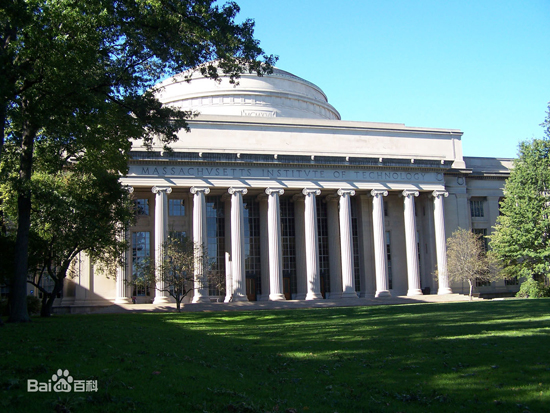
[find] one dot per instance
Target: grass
(462, 357)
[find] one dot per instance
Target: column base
(201, 299)
(314, 296)
(415, 291)
(277, 297)
(263, 297)
(161, 300)
(349, 294)
(335, 296)
(239, 297)
(382, 294)
(444, 291)
(123, 300)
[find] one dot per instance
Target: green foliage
(77, 87)
(4, 309)
(533, 289)
(522, 235)
(467, 259)
(78, 212)
(33, 304)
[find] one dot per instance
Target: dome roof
(280, 94)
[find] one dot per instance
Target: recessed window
(141, 207)
(482, 233)
(476, 208)
(176, 208)
(141, 247)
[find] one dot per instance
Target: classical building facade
(291, 202)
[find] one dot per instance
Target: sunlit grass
(481, 356)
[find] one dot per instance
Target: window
(482, 233)
(511, 281)
(482, 283)
(215, 244)
(476, 208)
(181, 236)
(176, 207)
(141, 207)
(141, 248)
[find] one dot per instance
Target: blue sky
(479, 66)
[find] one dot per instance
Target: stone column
(226, 198)
(264, 247)
(237, 243)
(312, 245)
(200, 238)
(440, 247)
(275, 247)
(346, 244)
(161, 233)
(381, 266)
(334, 259)
(300, 245)
(413, 270)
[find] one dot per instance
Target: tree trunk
(46, 310)
(471, 289)
(18, 291)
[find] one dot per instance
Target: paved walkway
(279, 305)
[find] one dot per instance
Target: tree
(77, 213)
(467, 259)
(174, 272)
(522, 234)
(77, 78)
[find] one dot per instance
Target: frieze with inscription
(201, 171)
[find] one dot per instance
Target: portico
(354, 257)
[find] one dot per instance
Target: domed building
(293, 203)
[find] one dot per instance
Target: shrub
(33, 304)
(533, 289)
(4, 311)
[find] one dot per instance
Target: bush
(33, 304)
(533, 289)
(4, 311)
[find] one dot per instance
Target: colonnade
(339, 232)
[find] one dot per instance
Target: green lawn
(463, 357)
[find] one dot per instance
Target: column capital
(232, 190)
(159, 189)
(307, 192)
(343, 192)
(437, 194)
(270, 191)
(407, 193)
(377, 192)
(196, 189)
(129, 188)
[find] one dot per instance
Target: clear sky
(481, 66)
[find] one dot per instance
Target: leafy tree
(77, 213)
(174, 272)
(77, 85)
(522, 234)
(467, 259)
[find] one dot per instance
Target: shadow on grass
(482, 356)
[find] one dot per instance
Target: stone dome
(280, 94)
